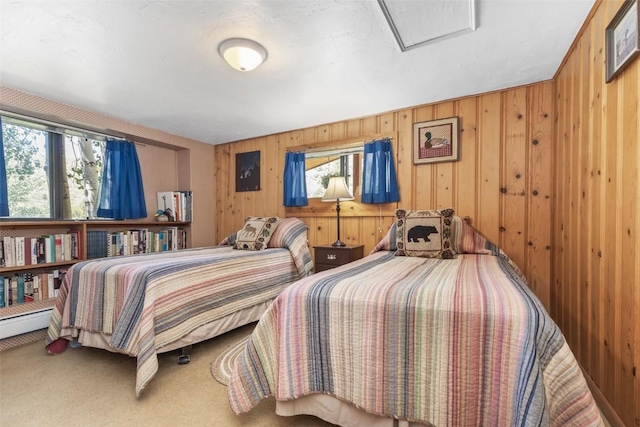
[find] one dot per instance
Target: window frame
(55, 138)
(318, 208)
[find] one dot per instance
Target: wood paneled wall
(502, 180)
(595, 295)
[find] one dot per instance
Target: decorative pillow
(230, 240)
(388, 242)
(287, 230)
(465, 239)
(425, 234)
(256, 233)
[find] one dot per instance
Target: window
(320, 167)
(51, 172)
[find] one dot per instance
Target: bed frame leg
(184, 357)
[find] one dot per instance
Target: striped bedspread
(144, 302)
(459, 342)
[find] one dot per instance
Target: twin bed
(146, 304)
(457, 340)
(440, 336)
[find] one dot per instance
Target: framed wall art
(622, 40)
(436, 141)
(248, 171)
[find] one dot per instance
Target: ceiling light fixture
(242, 54)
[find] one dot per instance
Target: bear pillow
(425, 234)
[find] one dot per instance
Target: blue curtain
(4, 193)
(121, 192)
(295, 182)
(379, 184)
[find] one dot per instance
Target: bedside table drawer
(332, 256)
(328, 257)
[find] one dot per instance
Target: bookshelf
(34, 315)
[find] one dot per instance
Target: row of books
(102, 243)
(178, 203)
(27, 287)
(19, 251)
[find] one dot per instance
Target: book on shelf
(7, 244)
(33, 250)
(13, 294)
(27, 251)
(41, 258)
(56, 282)
(7, 291)
(30, 287)
(20, 288)
(97, 244)
(19, 251)
(58, 247)
(67, 254)
(3, 301)
(43, 286)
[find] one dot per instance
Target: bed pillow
(425, 234)
(465, 239)
(256, 233)
(388, 242)
(286, 231)
(230, 240)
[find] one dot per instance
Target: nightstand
(334, 256)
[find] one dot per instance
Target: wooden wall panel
(595, 368)
(467, 184)
(513, 175)
(495, 154)
(538, 185)
(489, 143)
(596, 216)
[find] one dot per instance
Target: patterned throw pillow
(425, 234)
(256, 233)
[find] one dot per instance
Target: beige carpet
(91, 387)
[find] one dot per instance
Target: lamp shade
(242, 54)
(337, 189)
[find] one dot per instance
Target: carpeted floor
(91, 387)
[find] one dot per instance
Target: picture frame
(436, 141)
(622, 39)
(248, 171)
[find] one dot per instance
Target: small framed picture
(622, 39)
(248, 171)
(436, 141)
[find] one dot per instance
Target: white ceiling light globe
(242, 54)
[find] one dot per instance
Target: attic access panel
(418, 23)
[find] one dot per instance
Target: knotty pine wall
(502, 180)
(595, 296)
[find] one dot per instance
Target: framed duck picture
(436, 141)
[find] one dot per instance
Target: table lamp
(337, 190)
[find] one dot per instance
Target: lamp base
(338, 243)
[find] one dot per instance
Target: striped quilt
(147, 301)
(459, 342)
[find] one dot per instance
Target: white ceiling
(155, 63)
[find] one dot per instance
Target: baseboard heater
(28, 322)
